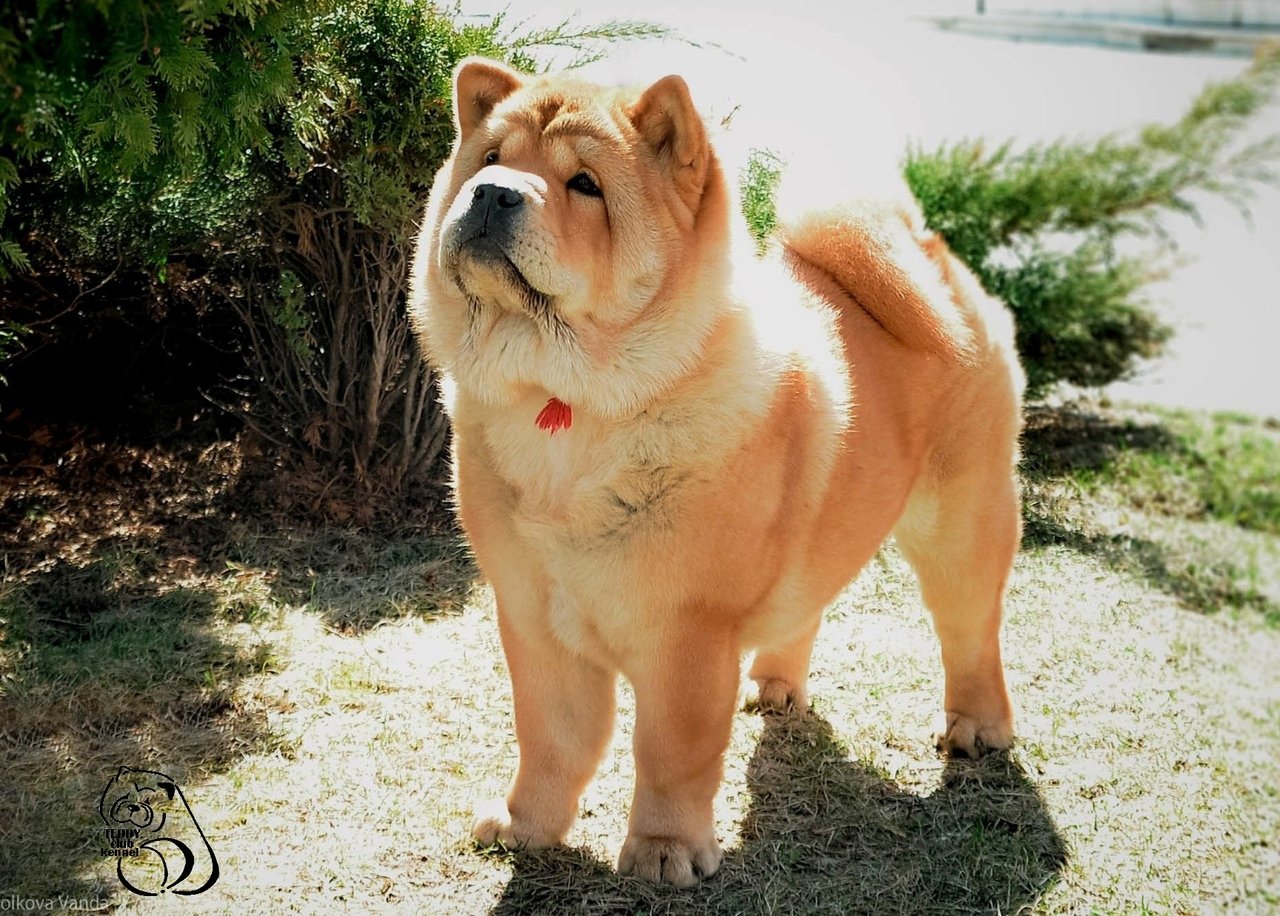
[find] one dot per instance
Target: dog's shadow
(826, 834)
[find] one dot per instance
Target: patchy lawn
(332, 699)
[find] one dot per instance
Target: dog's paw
(667, 860)
(774, 695)
(959, 735)
(493, 825)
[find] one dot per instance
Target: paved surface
(1133, 35)
(841, 89)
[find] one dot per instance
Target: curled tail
(880, 253)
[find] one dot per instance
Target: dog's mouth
(485, 253)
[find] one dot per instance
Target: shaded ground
(133, 622)
(332, 700)
(824, 833)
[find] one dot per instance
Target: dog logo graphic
(147, 815)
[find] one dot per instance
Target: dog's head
(564, 214)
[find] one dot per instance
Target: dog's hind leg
(960, 532)
(782, 675)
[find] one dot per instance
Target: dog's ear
(168, 788)
(672, 128)
(479, 85)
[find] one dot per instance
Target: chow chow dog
(669, 451)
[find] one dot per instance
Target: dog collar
(555, 416)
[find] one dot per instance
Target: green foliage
(757, 187)
(287, 310)
(372, 102)
(119, 103)
(160, 117)
(321, 289)
(263, 161)
(587, 44)
(1044, 228)
(11, 335)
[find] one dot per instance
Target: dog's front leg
(686, 690)
(564, 703)
(564, 709)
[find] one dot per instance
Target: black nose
(496, 195)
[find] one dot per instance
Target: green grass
(332, 700)
(1225, 467)
(1188, 502)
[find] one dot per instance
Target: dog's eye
(583, 184)
(491, 157)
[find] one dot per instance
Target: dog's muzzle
(488, 215)
(484, 227)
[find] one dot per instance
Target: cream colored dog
(668, 452)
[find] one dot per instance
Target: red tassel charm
(555, 416)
